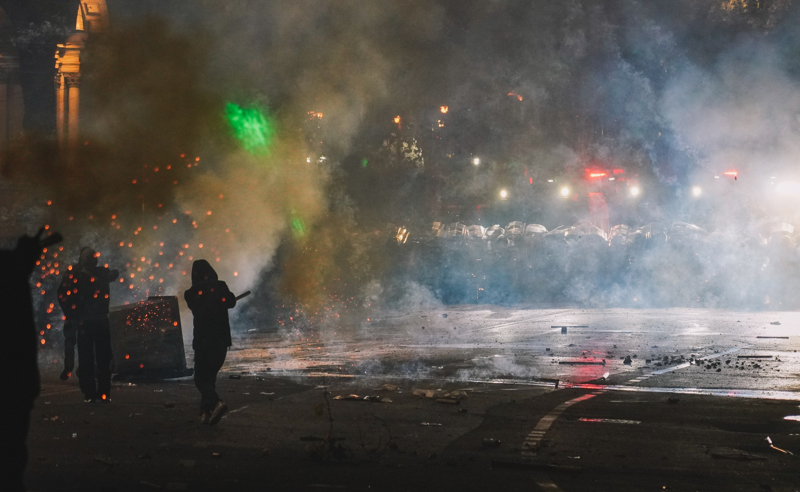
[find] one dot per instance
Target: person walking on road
(209, 300)
(94, 331)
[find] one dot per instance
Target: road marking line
(536, 435)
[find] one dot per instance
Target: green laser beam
(254, 129)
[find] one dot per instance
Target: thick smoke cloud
(674, 92)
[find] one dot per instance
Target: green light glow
(254, 129)
(364, 162)
(298, 228)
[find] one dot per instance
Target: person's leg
(86, 344)
(70, 340)
(218, 358)
(103, 353)
(17, 418)
(204, 377)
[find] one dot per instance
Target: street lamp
(476, 161)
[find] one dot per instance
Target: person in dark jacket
(67, 299)
(91, 286)
(20, 356)
(209, 299)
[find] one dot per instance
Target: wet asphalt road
(692, 411)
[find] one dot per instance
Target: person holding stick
(209, 299)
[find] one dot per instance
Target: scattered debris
(105, 461)
(444, 316)
(490, 442)
(388, 387)
(775, 322)
(216, 455)
(734, 454)
(780, 338)
(448, 401)
(627, 360)
(754, 357)
(268, 394)
(769, 441)
(372, 398)
(610, 421)
(436, 424)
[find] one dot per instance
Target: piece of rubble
(734, 454)
(490, 442)
(436, 424)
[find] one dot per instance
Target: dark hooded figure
(91, 288)
(67, 299)
(209, 299)
(20, 357)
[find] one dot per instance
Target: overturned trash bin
(147, 339)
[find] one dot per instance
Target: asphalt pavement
(483, 397)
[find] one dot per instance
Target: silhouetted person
(21, 386)
(68, 299)
(94, 332)
(209, 299)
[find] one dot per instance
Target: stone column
(5, 115)
(72, 81)
(60, 110)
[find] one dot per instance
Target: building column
(60, 108)
(72, 82)
(5, 115)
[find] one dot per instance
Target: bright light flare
(596, 175)
(697, 191)
(444, 109)
(565, 192)
(635, 191)
(503, 194)
(397, 119)
(476, 161)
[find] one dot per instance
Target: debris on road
(448, 401)
(627, 361)
(104, 461)
(754, 357)
(388, 387)
(434, 424)
(734, 454)
(779, 338)
(370, 398)
(775, 323)
(610, 421)
(769, 441)
(490, 442)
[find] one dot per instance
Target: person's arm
(226, 296)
